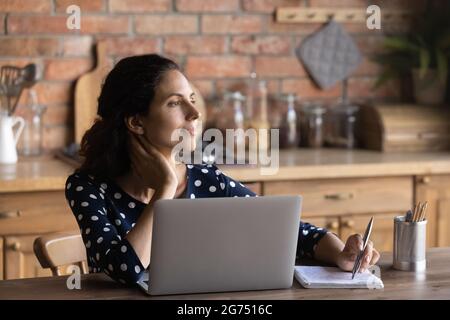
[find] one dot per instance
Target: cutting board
(87, 90)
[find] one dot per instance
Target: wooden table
(433, 284)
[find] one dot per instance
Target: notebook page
(332, 277)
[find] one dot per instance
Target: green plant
(426, 47)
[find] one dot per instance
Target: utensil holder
(409, 245)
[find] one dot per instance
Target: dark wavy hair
(128, 90)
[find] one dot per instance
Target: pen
(365, 241)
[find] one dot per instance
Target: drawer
(348, 196)
(254, 186)
(35, 212)
(20, 260)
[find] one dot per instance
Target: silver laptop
(223, 244)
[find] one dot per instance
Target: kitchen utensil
(29, 75)
(409, 245)
(10, 77)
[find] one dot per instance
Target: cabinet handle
(333, 225)
(10, 214)
(340, 196)
(348, 223)
(16, 246)
(425, 180)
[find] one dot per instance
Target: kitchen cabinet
(331, 223)
(20, 261)
(341, 190)
(382, 233)
(344, 206)
(25, 216)
(436, 190)
(346, 225)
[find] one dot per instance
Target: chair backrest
(60, 249)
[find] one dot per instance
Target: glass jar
(341, 123)
(289, 128)
(312, 123)
(30, 143)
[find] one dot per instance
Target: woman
(128, 166)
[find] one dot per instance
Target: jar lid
(348, 109)
(314, 109)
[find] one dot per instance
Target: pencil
(416, 210)
(424, 211)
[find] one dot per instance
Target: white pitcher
(9, 137)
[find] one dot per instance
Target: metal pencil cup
(409, 244)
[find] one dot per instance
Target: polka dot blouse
(105, 214)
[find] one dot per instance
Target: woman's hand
(347, 257)
(151, 166)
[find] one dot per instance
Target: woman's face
(173, 108)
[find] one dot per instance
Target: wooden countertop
(339, 163)
(432, 284)
(49, 173)
(34, 174)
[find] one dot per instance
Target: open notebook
(332, 277)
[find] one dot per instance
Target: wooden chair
(60, 249)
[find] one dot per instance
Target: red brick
(194, 44)
(369, 44)
(207, 5)
(57, 24)
(77, 46)
(218, 67)
(105, 24)
(32, 6)
(66, 69)
(58, 115)
(85, 5)
(267, 6)
(56, 137)
(20, 62)
(278, 67)
(125, 46)
(367, 68)
(364, 88)
(229, 85)
(339, 4)
(168, 24)
(261, 45)
(306, 89)
(2, 21)
(139, 6)
(206, 87)
(233, 24)
(38, 24)
(361, 28)
(29, 46)
(416, 5)
(50, 93)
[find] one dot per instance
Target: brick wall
(218, 43)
